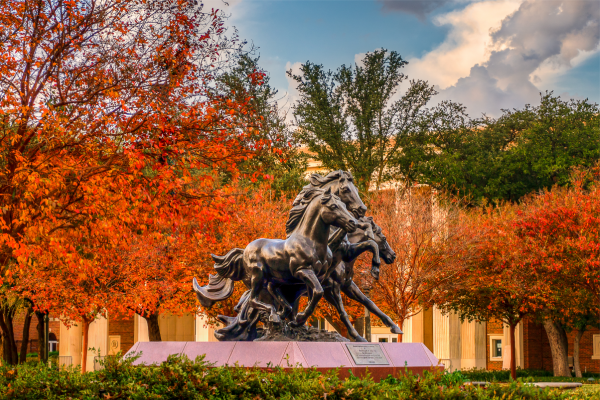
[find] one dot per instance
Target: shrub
(180, 378)
(501, 375)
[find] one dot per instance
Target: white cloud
(502, 53)
(468, 43)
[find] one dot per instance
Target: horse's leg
(315, 294)
(353, 292)
(296, 305)
(356, 249)
(256, 283)
(333, 297)
(278, 296)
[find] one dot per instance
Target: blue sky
(486, 54)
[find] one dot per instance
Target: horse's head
(367, 229)
(385, 250)
(341, 184)
(334, 212)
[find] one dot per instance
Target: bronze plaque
(367, 354)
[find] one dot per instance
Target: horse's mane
(319, 181)
(300, 205)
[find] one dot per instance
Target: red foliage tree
(537, 258)
(559, 233)
(106, 134)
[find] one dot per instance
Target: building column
(407, 329)
(421, 328)
(473, 345)
(441, 337)
(97, 340)
(441, 343)
(140, 329)
(455, 341)
(70, 342)
(519, 354)
(202, 329)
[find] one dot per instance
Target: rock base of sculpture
(377, 359)
(285, 333)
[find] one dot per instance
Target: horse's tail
(229, 268)
(231, 265)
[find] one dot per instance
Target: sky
(486, 54)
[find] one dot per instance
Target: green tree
(279, 160)
(352, 118)
(521, 152)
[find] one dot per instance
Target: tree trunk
(153, 327)
(41, 334)
(84, 347)
(576, 342)
(513, 360)
(25, 341)
(559, 347)
(400, 335)
(9, 346)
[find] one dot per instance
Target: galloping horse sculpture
(309, 262)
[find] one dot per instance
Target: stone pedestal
(380, 359)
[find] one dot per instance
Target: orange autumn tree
(497, 283)
(102, 113)
(538, 258)
(559, 231)
(423, 229)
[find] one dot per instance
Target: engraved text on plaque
(367, 354)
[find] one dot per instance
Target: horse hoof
(396, 329)
(296, 323)
(360, 339)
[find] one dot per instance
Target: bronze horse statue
(333, 278)
(298, 260)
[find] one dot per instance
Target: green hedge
(179, 378)
(534, 375)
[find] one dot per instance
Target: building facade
(458, 344)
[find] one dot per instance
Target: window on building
(394, 340)
(496, 348)
(384, 340)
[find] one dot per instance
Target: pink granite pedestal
(379, 359)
